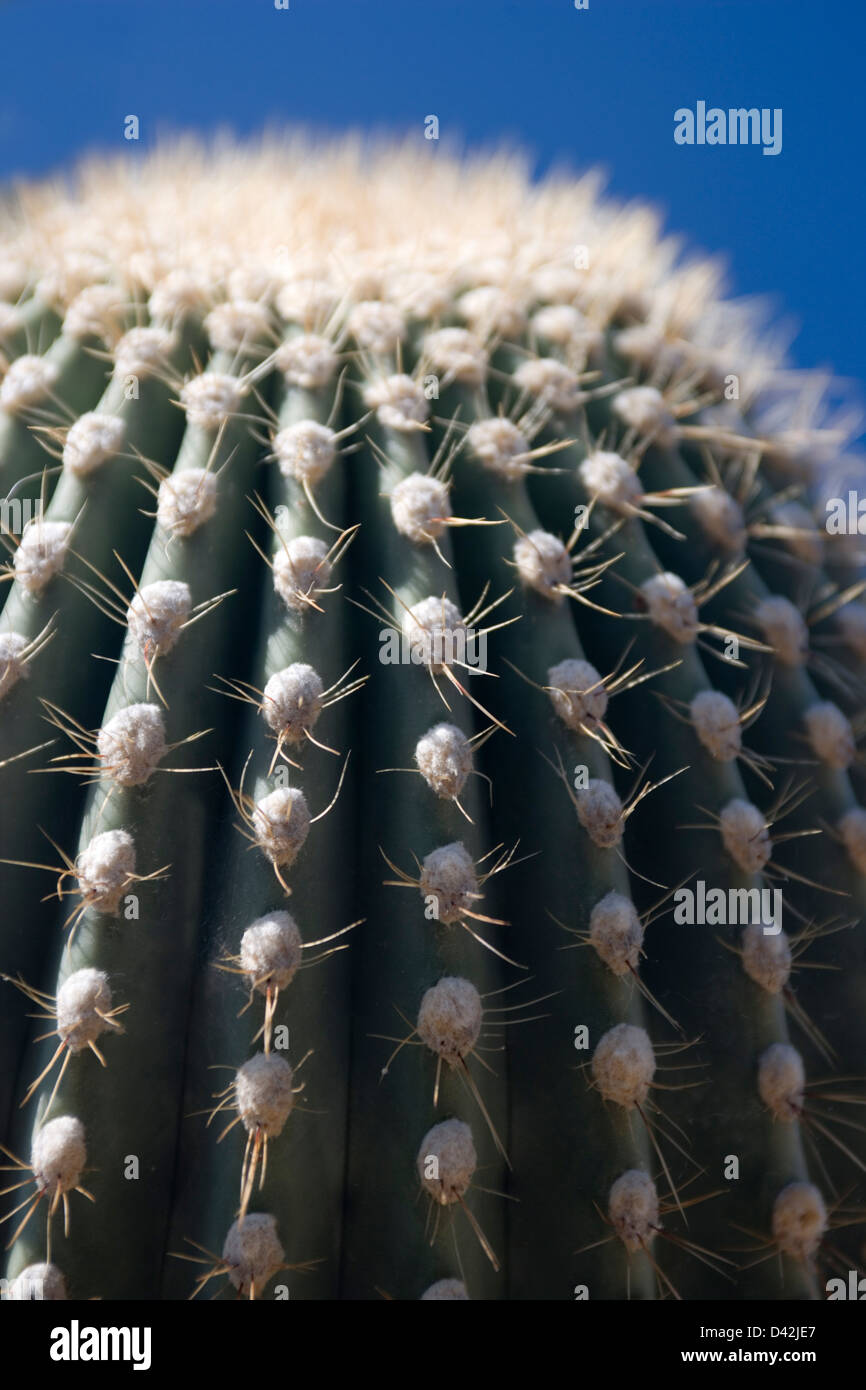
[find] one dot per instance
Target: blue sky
(597, 86)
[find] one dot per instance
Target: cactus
(457, 884)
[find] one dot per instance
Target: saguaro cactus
(429, 789)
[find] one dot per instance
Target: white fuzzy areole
(143, 352)
(577, 692)
(633, 1209)
(177, 294)
(251, 282)
(300, 567)
(783, 629)
(435, 631)
(671, 606)
(97, 311)
(146, 265)
(567, 327)
(643, 408)
(830, 735)
(457, 355)
(28, 382)
(157, 614)
(782, 1081)
(132, 744)
(450, 1144)
(211, 398)
(558, 284)
(799, 1221)
(444, 759)
(852, 828)
(13, 663)
(558, 323)
(399, 402)
(445, 1289)
(716, 721)
(292, 701)
(239, 323)
(483, 267)
(599, 811)
(449, 1018)
(378, 327)
(720, 517)
(253, 1252)
(623, 1065)
(305, 451)
(745, 835)
(420, 508)
(420, 295)
(306, 299)
(489, 310)
(551, 382)
(448, 875)
(41, 553)
(58, 1154)
(307, 360)
(263, 1093)
(612, 480)
(500, 446)
(104, 869)
(366, 281)
(645, 344)
(281, 824)
(185, 501)
(616, 932)
(71, 271)
(543, 564)
(40, 1282)
(83, 1001)
(766, 959)
(271, 951)
(91, 441)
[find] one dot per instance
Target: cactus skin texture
(424, 624)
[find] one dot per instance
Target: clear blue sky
(598, 86)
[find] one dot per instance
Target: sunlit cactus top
(351, 237)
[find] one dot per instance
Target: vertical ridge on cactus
(403, 628)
